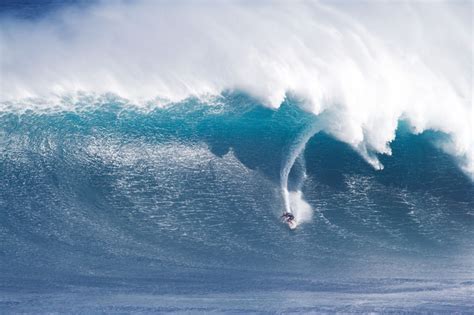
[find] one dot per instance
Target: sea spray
(294, 202)
(363, 69)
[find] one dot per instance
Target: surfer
(288, 217)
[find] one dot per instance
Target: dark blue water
(37, 9)
(111, 208)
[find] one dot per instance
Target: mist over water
(149, 148)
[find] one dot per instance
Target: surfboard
(292, 224)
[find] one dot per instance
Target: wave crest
(361, 71)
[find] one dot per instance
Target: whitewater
(364, 69)
(149, 148)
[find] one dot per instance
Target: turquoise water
(112, 208)
(167, 198)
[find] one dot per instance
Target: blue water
(112, 208)
(36, 9)
(108, 207)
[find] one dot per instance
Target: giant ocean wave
(147, 150)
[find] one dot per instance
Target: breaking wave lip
(361, 71)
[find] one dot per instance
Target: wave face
(185, 200)
(148, 149)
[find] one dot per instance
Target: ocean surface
(111, 205)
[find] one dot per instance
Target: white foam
(294, 202)
(363, 66)
(302, 211)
